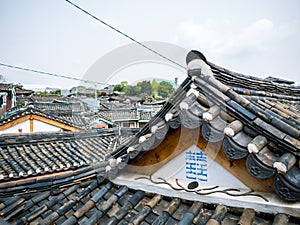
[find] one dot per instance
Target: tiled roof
(145, 115)
(81, 119)
(113, 105)
(123, 99)
(119, 114)
(102, 202)
(6, 87)
(22, 100)
(30, 155)
(48, 101)
(18, 113)
(74, 112)
(60, 108)
(255, 119)
(125, 114)
(50, 98)
(21, 91)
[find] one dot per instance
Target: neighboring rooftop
(19, 115)
(6, 87)
(30, 155)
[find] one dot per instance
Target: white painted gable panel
(194, 165)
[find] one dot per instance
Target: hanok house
(126, 117)
(20, 91)
(31, 119)
(7, 97)
(73, 111)
(222, 150)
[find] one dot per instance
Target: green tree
(42, 92)
(120, 86)
(165, 89)
(154, 85)
(145, 87)
(56, 92)
(131, 90)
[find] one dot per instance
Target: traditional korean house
(68, 109)
(73, 111)
(20, 91)
(51, 98)
(31, 119)
(126, 117)
(101, 121)
(224, 149)
(41, 100)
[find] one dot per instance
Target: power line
(90, 81)
(127, 36)
(51, 74)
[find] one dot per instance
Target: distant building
(82, 91)
(7, 97)
(65, 92)
(20, 91)
(126, 117)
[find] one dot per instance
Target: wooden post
(31, 124)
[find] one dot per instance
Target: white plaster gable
(208, 172)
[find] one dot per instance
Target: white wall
(25, 126)
(204, 169)
(38, 126)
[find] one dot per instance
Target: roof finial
(194, 54)
(197, 64)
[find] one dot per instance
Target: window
(128, 124)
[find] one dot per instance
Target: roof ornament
(119, 160)
(169, 116)
(285, 163)
(197, 64)
(233, 128)
(212, 113)
(112, 162)
(107, 168)
(130, 149)
(144, 138)
(192, 96)
(257, 144)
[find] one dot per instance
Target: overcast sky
(259, 38)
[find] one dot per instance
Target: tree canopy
(144, 88)
(120, 86)
(131, 90)
(165, 89)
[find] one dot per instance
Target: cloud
(225, 38)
